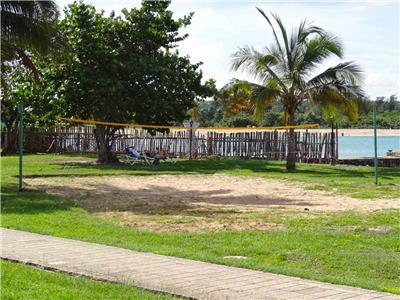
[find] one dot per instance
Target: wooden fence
(272, 145)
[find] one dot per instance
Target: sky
(369, 31)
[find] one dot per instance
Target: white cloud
(369, 32)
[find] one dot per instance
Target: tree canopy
(124, 68)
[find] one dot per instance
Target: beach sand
(183, 203)
(361, 132)
(111, 193)
(342, 131)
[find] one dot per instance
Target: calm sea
(363, 146)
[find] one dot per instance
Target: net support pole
(333, 157)
(21, 143)
(190, 139)
(337, 143)
(375, 145)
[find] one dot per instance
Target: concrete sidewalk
(168, 274)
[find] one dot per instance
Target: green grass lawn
(341, 248)
(26, 282)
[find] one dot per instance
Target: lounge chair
(134, 157)
(162, 156)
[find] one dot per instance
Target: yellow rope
(92, 122)
(118, 124)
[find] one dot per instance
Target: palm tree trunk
(291, 157)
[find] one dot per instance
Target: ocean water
(363, 146)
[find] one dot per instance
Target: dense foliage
(124, 69)
(114, 68)
(213, 113)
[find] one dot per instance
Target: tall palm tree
(286, 72)
(26, 26)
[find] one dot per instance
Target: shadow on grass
(233, 166)
(100, 197)
(31, 201)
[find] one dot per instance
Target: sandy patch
(380, 229)
(190, 221)
(172, 192)
(199, 202)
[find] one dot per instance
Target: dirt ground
(197, 202)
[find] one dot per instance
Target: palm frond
(27, 62)
(280, 67)
(255, 63)
(346, 73)
(28, 24)
(318, 49)
(305, 31)
(285, 40)
(347, 106)
(278, 44)
(344, 98)
(263, 95)
(246, 58)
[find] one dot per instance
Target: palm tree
(26, 26)
(286, 72)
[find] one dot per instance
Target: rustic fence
(272, 145)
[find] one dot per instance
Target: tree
(124, 69)
(26, 30)
(26, 26)
(38, 105)
(286, 73)
(392, 103)
(17, 83)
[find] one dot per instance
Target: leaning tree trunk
(9, 139)
(291, 156)
(105, 140)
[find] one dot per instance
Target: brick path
(168, 274)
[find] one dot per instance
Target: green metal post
(21, 141)
(190, 139)
(375, 146)
(333, 160)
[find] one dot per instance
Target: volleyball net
(142, 126)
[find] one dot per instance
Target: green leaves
(27, 26)
(344, 73)
(317, 50)
(244, 95)
(121, 68)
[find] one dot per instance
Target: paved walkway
(168, 274)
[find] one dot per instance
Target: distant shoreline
(342, 131)
(360, 132)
